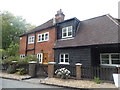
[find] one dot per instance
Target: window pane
(62, 56)
(69, 33)
(66, 55)
(64, 34)
(105, 61)
(42, 37)
(105, 56)
(39, 38)
(46, 36)
(115, 61)
(116, 56)
(62, 60)
(66, 60)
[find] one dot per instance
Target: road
(7, 83)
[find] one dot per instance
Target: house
(92, 42)
(40, 41)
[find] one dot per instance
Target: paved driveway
(6, 83)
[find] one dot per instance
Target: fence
(71, 68)
(104, 73)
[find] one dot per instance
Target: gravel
(77, 83)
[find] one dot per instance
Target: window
(67, 32)
(40, 57)
(110, 58)
(64, 58)
(30, 39)
(43, 37)
(22, 55)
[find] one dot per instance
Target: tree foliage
(12, 28)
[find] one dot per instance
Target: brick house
(92, 42)
(40, 41)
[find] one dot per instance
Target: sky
(37, 12)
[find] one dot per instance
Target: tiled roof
(99, 30)
(45, 25)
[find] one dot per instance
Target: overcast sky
(39, 11)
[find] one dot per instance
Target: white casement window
(43, 37)
(22, 55)
(110, 58)
(67, 32)
(31, 39)
(40, 57)
(64, 58)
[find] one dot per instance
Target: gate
(42, 70)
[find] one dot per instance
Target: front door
(45, 58)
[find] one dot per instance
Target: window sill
(114, 65)
(30, 43)
(42, 41)
(64, 63)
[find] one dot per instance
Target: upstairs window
(67, 32)
(31, 39)
(64, 58)
(43, 37)
(110, 58)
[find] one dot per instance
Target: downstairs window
(110, 58)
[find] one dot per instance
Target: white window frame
(40, 59)
(44, 38)
(67, 29)
(63, 58)
(31, 39)
(22, 55)
(110, 59)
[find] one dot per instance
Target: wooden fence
(104, 73)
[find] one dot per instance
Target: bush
(21, 71)
(11, 69)
(97, 80)
(62, 73)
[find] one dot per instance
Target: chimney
(59, 17)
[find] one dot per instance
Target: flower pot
(116, 78)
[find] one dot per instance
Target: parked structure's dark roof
(45, 25)
(99, 30)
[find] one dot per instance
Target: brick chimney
(59, 17)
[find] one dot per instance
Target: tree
(12, 28)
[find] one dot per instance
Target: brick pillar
(32, 68)
(14, 64)
(78, 70)
(51, 69)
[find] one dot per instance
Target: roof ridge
(112, 19)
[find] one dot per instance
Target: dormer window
(67, 32)
(31, 39)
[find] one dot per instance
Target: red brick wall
(30, 52)
(22, 48)
(47, 46)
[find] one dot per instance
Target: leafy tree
(12, 28)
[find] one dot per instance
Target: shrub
(21, 71)
(11, 69)
(63, 73)
(97, 80)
